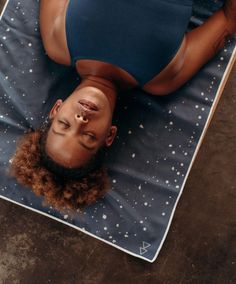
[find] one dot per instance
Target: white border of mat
(210, 115)
(217, 97)
(4, 8)
(213, 107)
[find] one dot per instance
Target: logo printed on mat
(143, 249)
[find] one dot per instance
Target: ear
(111, 135)
(55, 109)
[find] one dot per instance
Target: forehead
(66, 150)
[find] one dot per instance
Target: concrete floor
(200, 247)
(1, 4)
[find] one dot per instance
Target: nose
(81, 118)
(82, 115)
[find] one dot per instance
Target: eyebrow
(81, 143)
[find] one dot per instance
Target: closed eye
(91, 136)
(65, 124)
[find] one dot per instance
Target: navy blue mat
(157, 141)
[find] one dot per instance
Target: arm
(52, 28)
(201, 44)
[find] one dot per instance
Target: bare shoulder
(52, 28)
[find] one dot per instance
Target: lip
(88, 105)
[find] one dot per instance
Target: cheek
(102, 124)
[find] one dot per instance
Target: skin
(101, 81)
(76, 133)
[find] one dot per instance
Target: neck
(109, 89)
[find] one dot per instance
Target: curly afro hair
(72, 188)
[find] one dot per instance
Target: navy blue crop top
(138, 36)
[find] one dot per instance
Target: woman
(114, 46)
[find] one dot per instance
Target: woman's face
(80, 126)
